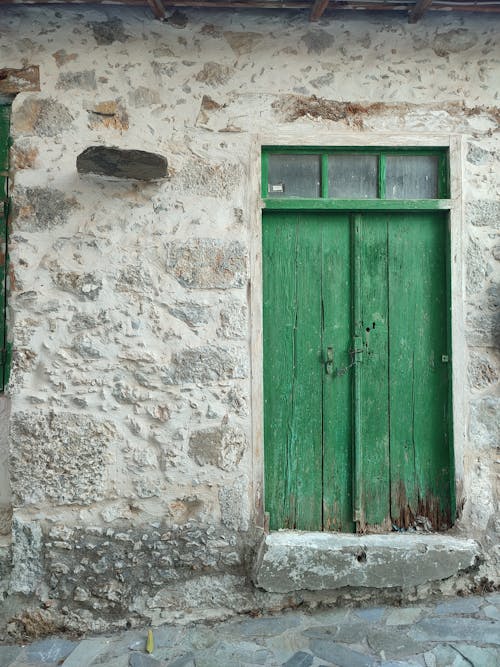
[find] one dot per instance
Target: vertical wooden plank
(308, 410)
(278, 309)
(419, 369)
(337, 386)
(292, 370)
(356, 359)
(371, 326)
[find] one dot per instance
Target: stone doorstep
(291, 561)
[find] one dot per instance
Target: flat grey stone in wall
(27, 560)
(483, 328)
(122, 163)
(290, 561)
(454, 41)
(107, 32)
(484, 427)
(207, 263)
(80, 80)
(191, 313)
(206, 364)
(477, 155)
(59, 457)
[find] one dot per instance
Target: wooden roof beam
(317, 9)
(421, 6)
(158, 9)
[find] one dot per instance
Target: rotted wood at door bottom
(356, 371)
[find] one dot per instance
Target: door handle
(329, 361)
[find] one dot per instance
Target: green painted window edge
(442, 153)
(5, 344)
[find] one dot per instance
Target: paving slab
(374, 615)
(404, 616)
(341, 655)
(478, 655)
(457, 629)
(8, 654)
(299, 659)
(49, 651)
(85, 653)
(392, 643)
(459, 606)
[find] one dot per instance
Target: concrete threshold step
(292, 561)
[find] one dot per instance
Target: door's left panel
(306, 420)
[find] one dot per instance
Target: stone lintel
(291, 561)
(25, 80)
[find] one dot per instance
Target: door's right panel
(419, 369)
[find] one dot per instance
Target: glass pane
(294, 176)
(353, 176)
(412, 176)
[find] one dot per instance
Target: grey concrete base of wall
(292, 561)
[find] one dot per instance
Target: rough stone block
(214, 74)
(290, 561)
(483, 213)
(222, 446)
(86, 286)
(122, 164)
(482, 370)
(208, 263)
(42, 117)
(477, 268)
(59, 457)
(209, 180)
(40, 208)
(233, 321)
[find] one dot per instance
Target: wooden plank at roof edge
(24, 80)
(158, 9)
(421, 6)
(317, 9)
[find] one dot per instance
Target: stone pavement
(454, 632)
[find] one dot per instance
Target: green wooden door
(356, 370)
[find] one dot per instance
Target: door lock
(329, 360)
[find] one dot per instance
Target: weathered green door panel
(371, 330)
(366, 441)
(419, 369)
(292, 371)
(337, 384)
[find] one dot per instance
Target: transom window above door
(355, 173)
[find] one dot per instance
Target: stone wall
(131, 428)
